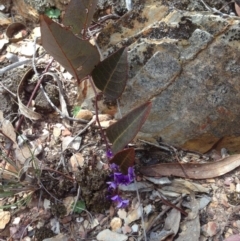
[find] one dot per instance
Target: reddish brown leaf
(78, 56)
(79, 14)
(110, 76)
(123, 131)
(124, 159)
(193, 171)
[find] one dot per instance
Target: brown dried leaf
(193, 171)
(7, 128)
(4, 218)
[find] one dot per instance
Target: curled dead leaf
(193, 171)
(27, 112)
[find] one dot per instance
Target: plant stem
(96, 110)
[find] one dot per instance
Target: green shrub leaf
(123, 131)
(52, 13)
(80, 206)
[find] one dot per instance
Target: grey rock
(41, 5)
(119, 6)
(187, 64)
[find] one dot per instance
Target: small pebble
(135, 228)
(84, 114)
(148, 209)
(116, 224)
(16, 220)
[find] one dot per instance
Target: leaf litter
(171, 208)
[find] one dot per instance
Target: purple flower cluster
(119, 178)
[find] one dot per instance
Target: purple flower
(131, 174)
(109, 154)
(120, 178)
(121, 202)
(114, 167)
(112, 185)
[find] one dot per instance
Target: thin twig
(9, 91)
(166, 202)
(14, 65)
(52, 170)
(34, 55)
(97, 118)
(63, 103)
(162, 147)
(42, 186)
(179, 162)
(119, 110)
(214, 10)
(99, 51)
(102, 20)
(159, 216)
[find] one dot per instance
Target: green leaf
(110, 75)
(79, 15)
(80, 206)
(123, 131)
(124, 159)
(76, 55)
(76, 109)
(52, 13)
(5, 194)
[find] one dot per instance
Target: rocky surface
(185, 62)
(118, 6)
